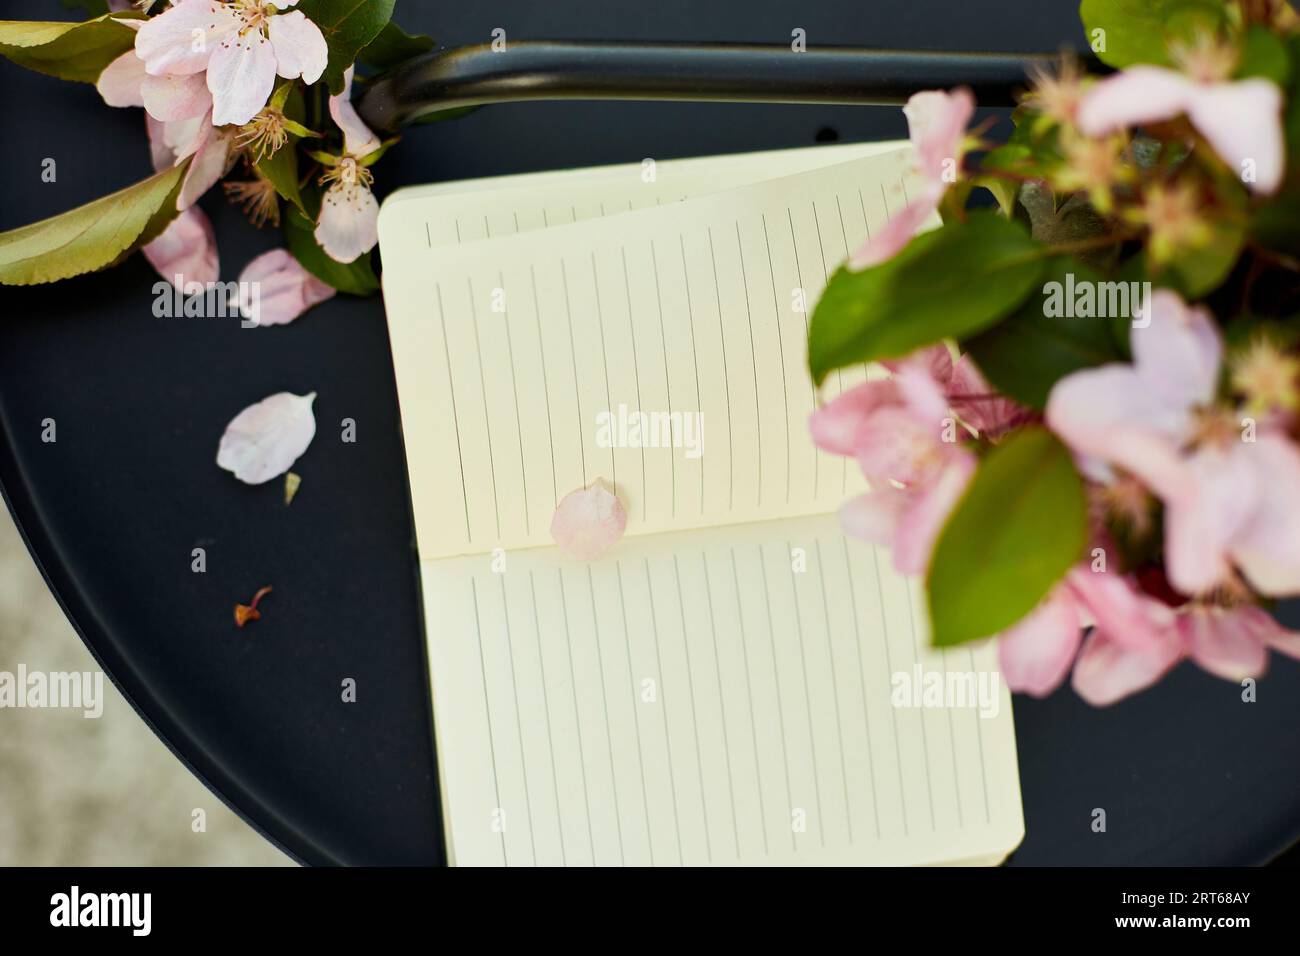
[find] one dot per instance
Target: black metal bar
(548, 70)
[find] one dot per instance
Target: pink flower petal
(896, 445)
(936, 124)
(898, 232)
(1035, 654)
(1138, 95)
(119, 82)
(172, 98)
(1106, 671)
(1179, 352)
(186, 251)
(1128, 617)
(589, 521)
(211, 160)
(358, 140)
(160, 153)
(1224, 644)
(300, 48)
(874, 515)
(921, 521)
(284, 289)
(1267, 549)
(934, 359)
(348, 225)
(241, 75)
(1243, 122)
(835, 426)
(977, 403)
(265, 439)
(183, 38)
(1260, 623)
(1201, 523)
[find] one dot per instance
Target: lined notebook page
(695, 699)
(508, 350)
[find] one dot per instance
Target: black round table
(1188, 773)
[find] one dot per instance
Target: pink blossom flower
(906, 440)
(1036, 653)
(285, 288)
(589, 521)
(241, 45)
(1232, 497)
(186, 251)
(348, 224)
(1242, 120)
(175, 130)
(936, 124)
(1232, 643)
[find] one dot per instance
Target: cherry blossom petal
(898, 232)
(1243, 122)
(1179, 351)
(978, 404)
(265, 439)
(349, 221)
(921, 521)
(186, 251)
(172, 98)
(284, 289)
(211, 161)
(873, 516)
(1106, 671)
(183, 38)
(1138, 95)
(934, 359)
(119, 82)
(160, 153)
(358, 140)
(1115, 605)
(589, 521)
(936, 125)
(835, 426)
(1272, 634)
(1201, 523)
(300, 48)
(1223, 643)
(1035, 654)
(896, 445)
(1268, 548)
(241, 75)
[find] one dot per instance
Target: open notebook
(735, 682)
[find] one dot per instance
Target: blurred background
(94, 792)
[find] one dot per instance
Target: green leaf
(1044, 340)
(349, 27)
(1015, 532)
(357, 277)
(951, 282)
(281, 168)
(1139, 31)
(92, 236)
(393, 46)
(70, 51)
(1199, 270)
(1264, 54)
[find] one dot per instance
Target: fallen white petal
(589, 521)
(265, 439)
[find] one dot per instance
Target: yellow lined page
(508, 350)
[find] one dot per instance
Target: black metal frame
(720, 72)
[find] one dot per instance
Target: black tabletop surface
(1187, 772)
